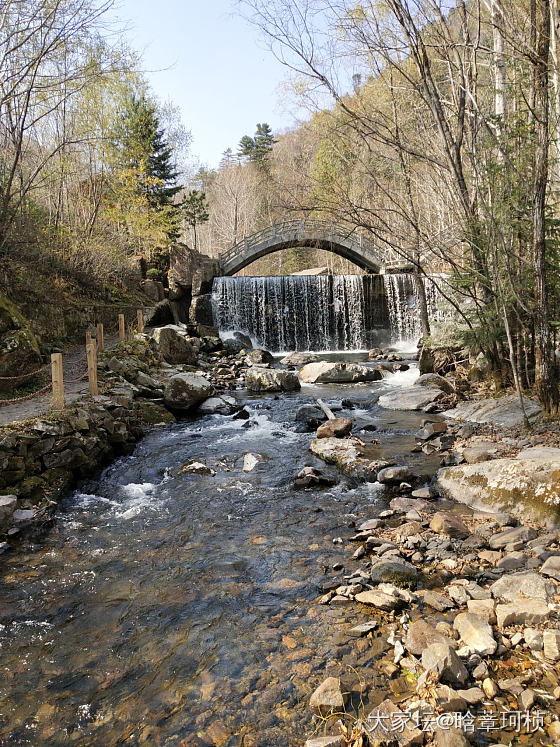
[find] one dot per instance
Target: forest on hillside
(437, 134)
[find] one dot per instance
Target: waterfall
(310, 312)
(321, 312)
(404, 308)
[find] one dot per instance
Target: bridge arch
(315, 234)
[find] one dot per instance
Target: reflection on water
(165, 605)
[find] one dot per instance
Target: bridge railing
(297, 230)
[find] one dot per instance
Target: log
(326, 409)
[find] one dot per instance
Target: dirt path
(75, 367)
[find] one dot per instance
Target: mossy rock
(19, 350)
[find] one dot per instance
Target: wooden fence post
(57, 381)
(122, 330)
(91, 351)
(100, 338)
(140, 317)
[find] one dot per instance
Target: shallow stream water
(165, 605)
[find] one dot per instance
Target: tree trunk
(545, 368)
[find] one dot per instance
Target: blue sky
(212, 64)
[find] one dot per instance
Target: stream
(165, 605)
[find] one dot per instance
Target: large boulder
(346, 454)
(269, 380)
(257, 355)
(328, 698)
(337, 372)
(185, 390)
(335, 428)
(433, 380)
(173, 345)
(527, 487)
(19, 350)
(505, 411)
(414, 398)
(298, 359)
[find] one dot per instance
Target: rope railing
(23, 377)
(58, 379)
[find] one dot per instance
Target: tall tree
(195, 208)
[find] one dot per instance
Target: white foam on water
(402, 378)
(138, 497)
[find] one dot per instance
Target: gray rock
(8, 504)
(475, 633)
(218, 406)
(185, 390)
(551, 644)
(510, 536)
(328, 698)
(311, 415)
(533, 638)
(437, 601)
(504, 411)
(334, 372)
(444, 522)
(270, 380)
(24, 514)
(395, 570)
(414, 398)
(551, 567)
(298, 359)
(379, 599)
(528, 612)
(334, 741)
(394, 474)
(420, 635)
(335, 428)
(173, 345)
(258, 356)
(523, 584)
(434, 381)
(378, 720)
(442, 659)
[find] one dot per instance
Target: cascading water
(311, 312)
(321, 312)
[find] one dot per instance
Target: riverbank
(222, 542)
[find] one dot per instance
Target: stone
(393, 474)
(510, 536)
(335, 428)
(490, 688)
(346, 454)
(250, 461)
(475, 633)
(504, 411)
(324, 372)
(551, 567)
(8, 504)
(512, 561)
(437, 601)
(485, 608)
(448, 700)
(395, 570)
(258, 356)
(420, 635)
(334, 741)
(551, 644)
(310, 415)
(269, 380)
(528, 584)
(378, 727)
(444, 522)
(413, 398)
(434, 381)
(479, 452)
(473, 695)
(328, 698)
(363, 629)
(298, 359)
(527, 699)
(379, 599)
(185, 390)
(450, 738)
(25, 514)
(533, 638)
(217, 406)
(529, 612)
(442, 659)
(527, 488)
(173, 345)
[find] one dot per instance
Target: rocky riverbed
(256, 574)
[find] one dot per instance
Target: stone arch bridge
(315, 234)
